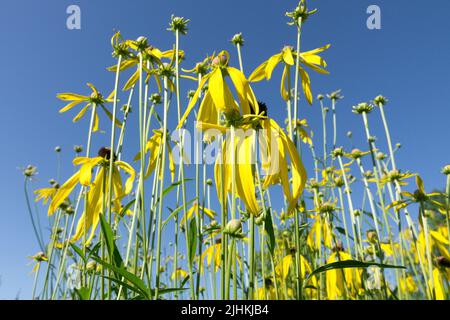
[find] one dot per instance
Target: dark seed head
(443, 262)
(105, 152)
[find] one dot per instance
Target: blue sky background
(407, 61)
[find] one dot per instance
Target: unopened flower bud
(238, 39)
(380, 100)
(233, 227)
(91, 266)
(78, 149)
(372, 236)
(381, 156)
(155, 98)
(57, 149)
(337, 152)
(446, 170)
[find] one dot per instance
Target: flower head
(238, 39)
(310, 59)
(95, 98)
(97, 188)
(363, 107)
(178, 24)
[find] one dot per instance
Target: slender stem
(297, 66)
(161, 200)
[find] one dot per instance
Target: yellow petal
(259, 73)
(287, 56)
(70, 106)
(63, 192)
(132, 174)
(271, 64)
(306, 85)
(81, 113)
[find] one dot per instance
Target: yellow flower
(95, 98)
(408, 284)
(218, 97)
(320, 229)
(439, 281)
(275, 147)
(45, 194)
(419, 196)
(151, 58)
(342, 281)
(38, 257)
(310, 59)
(196, 208)
(213, 253)
(97, 190)
(154, 146)
(179, 274)
(285, 148)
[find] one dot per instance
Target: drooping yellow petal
(63, 193)
(244, 91)
(70, 106)
(86, 170)
(271, 64)
(96, 122)
(131, 81)
(193, 101)
(245, 186)
(259, 73)
(220, 93)
(71, 97)
(306, 85)
(284, 85)
(130, 171)
(90, 218)
(287, 56)
(81, 113)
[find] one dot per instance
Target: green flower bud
(78, 149)
(372, 236)
(57, 149)
(178, 24)
(30, 171)
(362, 108)
(446, 170)
(233, 227)
(380, 100)
(155, 98)
(238, 39)
(337, 152)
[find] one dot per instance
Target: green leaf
(170, 188)
(78, 251)
(174, 212)
(350, 264)
(137, 282)
(268, 225)
(83, 293)
(110, 242)
(192, 237)
(127, 206)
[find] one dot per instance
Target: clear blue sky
(407, 61)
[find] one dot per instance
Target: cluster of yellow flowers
(249, 244)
